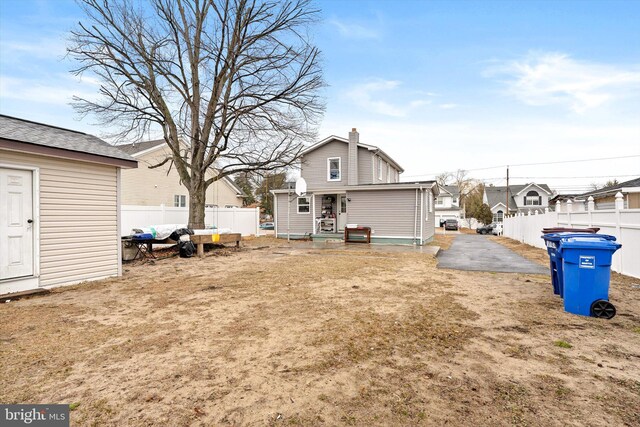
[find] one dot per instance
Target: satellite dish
(301, 186)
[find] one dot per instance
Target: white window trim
(298, 205)
(379, 168)
(339, 168)
(388, 173)
(180, 197)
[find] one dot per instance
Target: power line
(531, 164)
(561, 177)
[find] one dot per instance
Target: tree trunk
(197, 198)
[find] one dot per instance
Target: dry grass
(279, 334)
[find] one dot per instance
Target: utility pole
(507, 191)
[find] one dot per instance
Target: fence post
(257, 221)
(590, 208)
(619, 201)
(619, 207)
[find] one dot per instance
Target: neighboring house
(526, 198)
(448, 204)
(161, 185)
(357, 184)
(605, 198)
(59, 206)
(579, 203)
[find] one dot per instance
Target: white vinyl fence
(619, 222)
(245, 221)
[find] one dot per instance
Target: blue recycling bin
(552, 241)
(586, 265)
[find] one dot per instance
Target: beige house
(161, 186)
(59, 206)
(605, 198)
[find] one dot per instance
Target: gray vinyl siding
(387, 212)
(365, 166)
(429, 228)
(314, 165)
(383, 168)
(298, 223)
(78, 218)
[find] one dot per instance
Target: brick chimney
(354, 138)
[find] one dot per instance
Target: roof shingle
(20, 130)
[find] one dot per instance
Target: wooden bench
(200, 239)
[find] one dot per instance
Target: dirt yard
(291, 335)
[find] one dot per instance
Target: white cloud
(366, 95)
(477, 143)
(40, 48)
(448, 106)
(34, 90)
(354, 31)
(555, 78)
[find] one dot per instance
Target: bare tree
(464, 183)
(444, 178)
(237, 80)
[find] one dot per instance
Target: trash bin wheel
(603, 309)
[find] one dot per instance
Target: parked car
(451, 224)
(486, 229)
(266, 226)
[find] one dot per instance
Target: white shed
(59, 206)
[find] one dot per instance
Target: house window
(532, 199)
(454, 200)
(179, 201)
(498, 216)
(304, 205)
(388, 173)
(380, 168)
(440, 201)
(333, 169)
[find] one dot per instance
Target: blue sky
(438, 85)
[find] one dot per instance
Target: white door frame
(35, 182)
(339, 209)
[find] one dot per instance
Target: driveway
(478, 253)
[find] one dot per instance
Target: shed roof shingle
(20, 130)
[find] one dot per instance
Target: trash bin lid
(556, 237)
(582, 242)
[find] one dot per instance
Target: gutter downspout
(415, 219)
(421, 212)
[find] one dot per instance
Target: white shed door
(16, 223)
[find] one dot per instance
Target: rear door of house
(342, 212)
(16, 223)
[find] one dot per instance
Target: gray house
(530, 197)
(355, 184)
